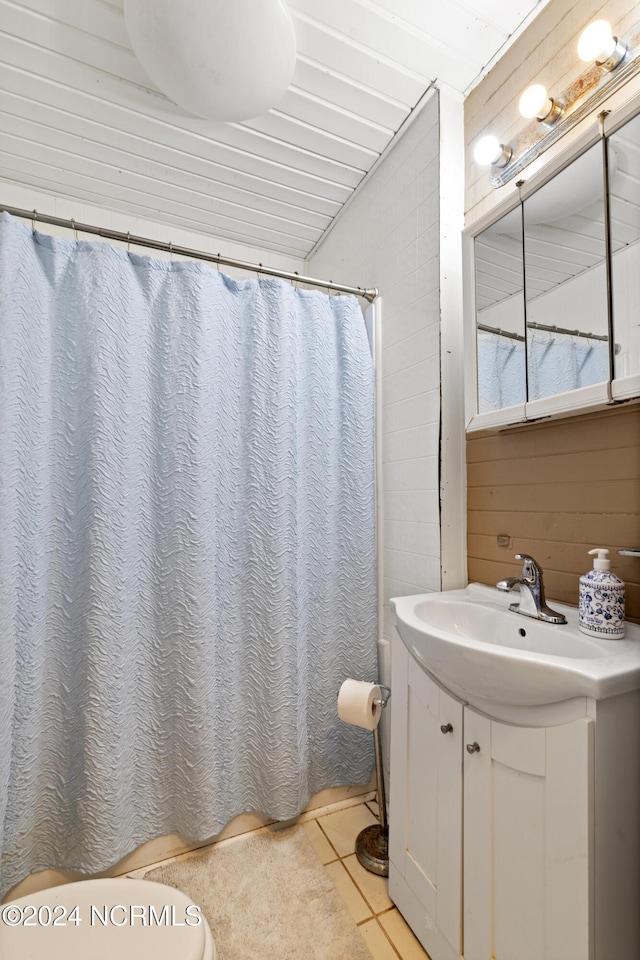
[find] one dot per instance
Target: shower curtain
(187, 557)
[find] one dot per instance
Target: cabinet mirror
(500, 314)
(624, 209)
(567, 327)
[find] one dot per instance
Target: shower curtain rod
(541, 326)
(500, 333)
(129, 238)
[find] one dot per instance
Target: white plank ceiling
(80, 118)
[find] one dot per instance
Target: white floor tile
(402, 937)
(343, 827)
(374, 889)
(377, 942)
(319, 842)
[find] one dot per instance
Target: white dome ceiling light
(217, 59)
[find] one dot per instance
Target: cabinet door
(426, 793)
(528, 834)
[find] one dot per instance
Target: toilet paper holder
(384, 699)
(372, 843)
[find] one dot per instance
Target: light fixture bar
(580, 98)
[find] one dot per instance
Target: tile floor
(332, 835)
(332, 832)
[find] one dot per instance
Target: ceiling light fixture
(215, 59)
(535, 102)
(598, 44)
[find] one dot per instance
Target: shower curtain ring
(128, 242)
(171, 250)
(33, 220)
(218, 262)
(75, 229)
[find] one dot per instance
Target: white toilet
(110, 919)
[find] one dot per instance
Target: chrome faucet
(532, 602)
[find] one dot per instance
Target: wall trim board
(452, 451)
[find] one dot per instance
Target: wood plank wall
(557, 490)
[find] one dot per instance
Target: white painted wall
(453, 508)
(388, 237)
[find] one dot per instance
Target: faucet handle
(531, 570)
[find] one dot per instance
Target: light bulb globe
(214, 59)
(534, 101)
(487, 150)
(596, 42)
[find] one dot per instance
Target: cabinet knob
(446, 728)
(473, 747)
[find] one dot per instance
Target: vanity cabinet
(426, 800)
(527, 826)
(498, 850)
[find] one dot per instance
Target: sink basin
(475, 646)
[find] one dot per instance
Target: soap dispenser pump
(602, 599)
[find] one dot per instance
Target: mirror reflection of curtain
(500, 372)
(555, 365)
(558, 364)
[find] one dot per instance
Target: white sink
(475, 646)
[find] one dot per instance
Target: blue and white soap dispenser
(602, 600)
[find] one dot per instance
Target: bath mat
(267, 897)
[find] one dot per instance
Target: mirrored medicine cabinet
(555, 291)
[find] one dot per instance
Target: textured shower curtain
(187, 563)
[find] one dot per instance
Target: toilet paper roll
(356, 703)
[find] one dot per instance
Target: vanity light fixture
(598, 44)
(535, 102)
(612, 63)
(489, 151)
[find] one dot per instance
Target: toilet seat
(112, 929)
